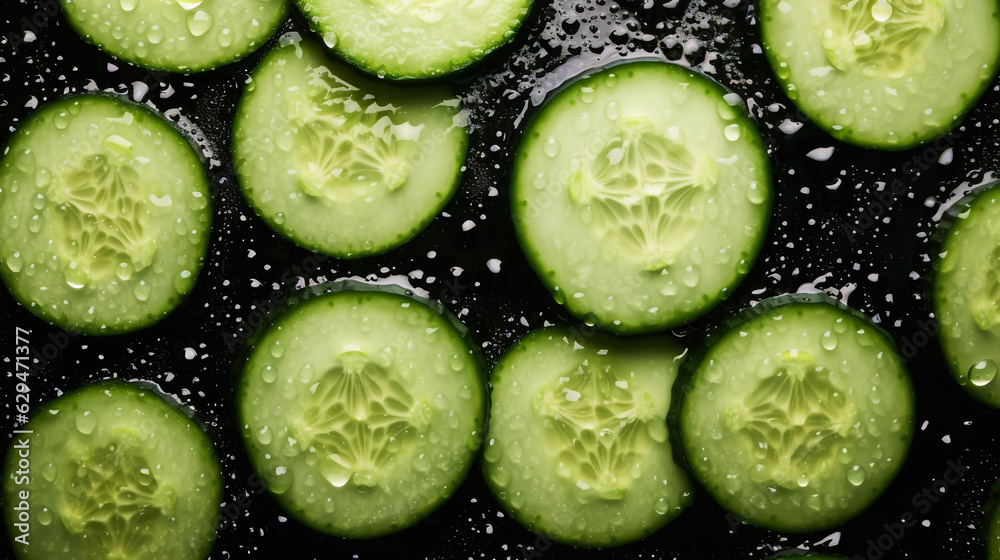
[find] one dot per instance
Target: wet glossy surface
(851, 222)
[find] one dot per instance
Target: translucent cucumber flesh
(122, 475)
(966, 296)
(578, 447)
(641, 215)
(341, 164)
(883, 73)
(109, 214)
(403, 39)
(362, 411)
(176, 35)
(798, 418)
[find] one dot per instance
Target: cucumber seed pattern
(102, 223)
(597, 428)
(645, 190)
(347, 146)
(113, 500)
(795, 418)
(357, 418)
(882, 36)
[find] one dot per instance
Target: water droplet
(155, 34)
(551, 147)
(802, 480)
(657, 431)
(225, 37)
(277, 349)
(268, 373)
(42, 179)
(48, 471)
(128, 5)
(306, 373)
(189, 5)
(457, 362)
(330, 39)
(264, 435)
(86, 421)
(612, 110)
(755, 193)
(828, 340)
(587, 94)
(882, 10)
(662, 506)
(983, 372)
(45, 516)
(144, 477)
(15, 262)
(141, 290)
(856, 475)
(199, 22)
(732, 132)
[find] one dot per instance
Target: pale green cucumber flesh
(339, 163)
(799, 417)
(176, 35)
(115, 472)
(414, 39)
(578, 449)
(641, 195)
(966, 295)
(108, 211)
(361, 411)
(885, 74)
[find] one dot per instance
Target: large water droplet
(199, 22)
(86, 421)
(983, 372)
(856, 475)
(264, 435)
(733, 132)
(128, 5)
(268, 373)
(662, 506)
(882, 10)
(551, 147)
(755, 193)
(828, 340)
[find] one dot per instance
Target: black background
(830, 221)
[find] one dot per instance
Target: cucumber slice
(886, 74)
(112, 471)
(108, 215)
(578, 449)
(361, 411)
(176, 35)
(342, 164)
(798, 417)
(414, 39)
(967, 293)
(641, 195)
